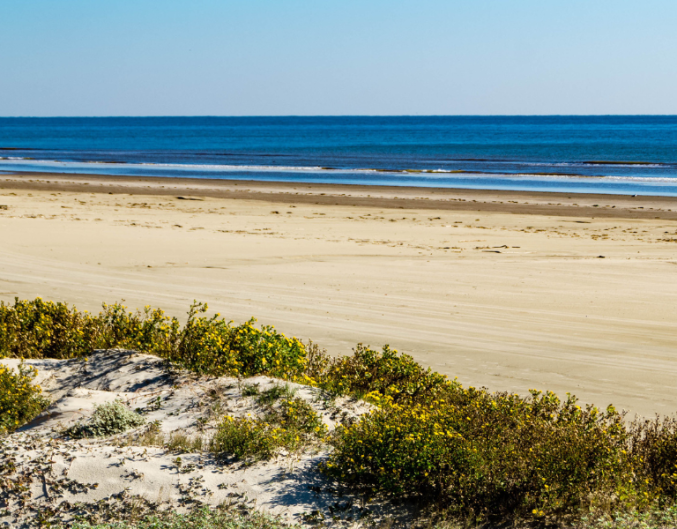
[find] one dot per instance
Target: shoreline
(593, 205)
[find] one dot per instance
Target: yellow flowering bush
(39, 329)
(212, 345)
(488, 454)
(375, 375)
(20, 399)
(485, 454)
(45, 329)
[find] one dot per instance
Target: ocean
(593, 154)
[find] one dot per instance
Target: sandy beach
(572, 293)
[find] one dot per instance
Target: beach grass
(289, 423)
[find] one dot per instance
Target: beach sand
(503, 290)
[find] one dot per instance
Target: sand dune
(47, 471)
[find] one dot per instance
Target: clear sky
(333, 57)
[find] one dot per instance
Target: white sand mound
(45, 473)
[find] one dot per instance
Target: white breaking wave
(432, 174)
(201, 167)
(182, 166)
(669, 179)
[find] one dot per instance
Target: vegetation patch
(44, 329)
(199, 519)
(651, 519)
(374, 375)
(489, 455)
(20, 399)
(185, 444)
(290, 425)
(244, 437)
(477, 455)
(111, 418)
(250, 390)
(297, 416)
(273, 394)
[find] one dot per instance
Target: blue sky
(326, 57)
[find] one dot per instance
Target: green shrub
(653, 518)
(37, 329)
(210, 345)
(20, 399)
(108, 419)
(292, 425)
(653, 448)
(245, 438)
(44, 329)
(487, 455)
(297, 416)
(381, 374)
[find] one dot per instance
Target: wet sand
(528, 203)
(512, 291)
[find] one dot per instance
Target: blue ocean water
(607, 154)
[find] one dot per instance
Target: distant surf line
(319, 169)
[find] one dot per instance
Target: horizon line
(337, 116)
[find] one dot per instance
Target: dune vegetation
(199, 519)
(466, 452)
(20, 399)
